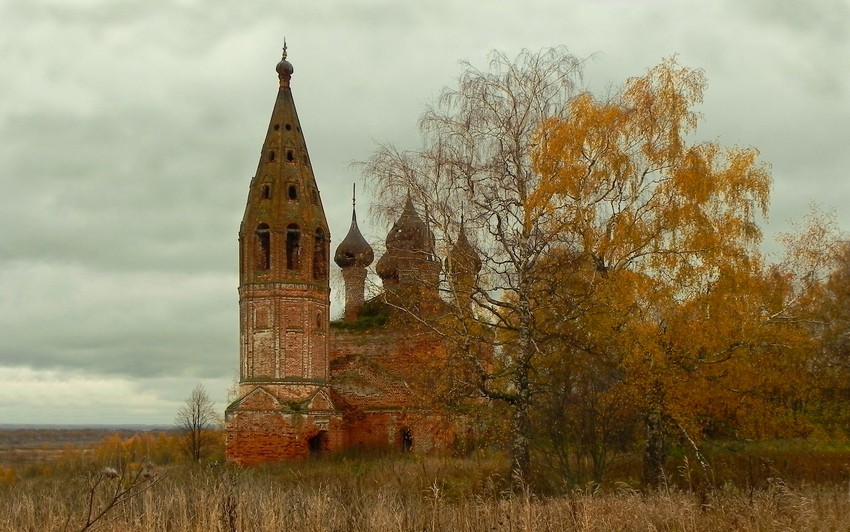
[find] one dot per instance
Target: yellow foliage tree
(637, 195)
(607, 236)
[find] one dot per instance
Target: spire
(354, 250)
(284, 196)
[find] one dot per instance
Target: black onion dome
(410, 233)
(354, 250)
(463, 258)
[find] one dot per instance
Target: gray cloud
(130, 129)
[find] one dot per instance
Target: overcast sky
(129, 130)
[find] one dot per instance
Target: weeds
(410, 492)
(228, 500)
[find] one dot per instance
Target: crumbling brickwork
(304, 387)
(383, 381)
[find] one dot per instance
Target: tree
(668, 222)
(816, 271)
(476, 160)
(599, 226)
(196, 419)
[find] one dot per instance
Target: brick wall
(382, 380)
(256, 437)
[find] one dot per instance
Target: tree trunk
(520, 452)
(520, 455)
(653, 453)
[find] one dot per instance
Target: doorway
(318, 444)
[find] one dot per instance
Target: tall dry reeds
(400, 494)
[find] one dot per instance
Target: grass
(374, 314)
(760, 486)
(398, 493)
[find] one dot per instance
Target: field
(767, 488)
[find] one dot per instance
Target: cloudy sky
(129, 130)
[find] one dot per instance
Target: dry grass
(390, 494)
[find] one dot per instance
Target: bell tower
(284, 301)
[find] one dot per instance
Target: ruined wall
(383, 379)
(264, 427)
(259, 437)
(415, 431)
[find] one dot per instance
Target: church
(307, 385)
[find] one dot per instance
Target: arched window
(406, 440)
(320, 257)
(293, 247)
(267, 192)
(262, 255)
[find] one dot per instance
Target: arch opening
(320, 255)
(293, 247)
(406, 440)
(318, 444)
(262, 250)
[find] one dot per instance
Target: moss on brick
(375, 314)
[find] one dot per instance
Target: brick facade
(304, 387)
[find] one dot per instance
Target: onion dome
(408, 235)
(284, 69)
(463, 258)
(354, 250)
(387, 267)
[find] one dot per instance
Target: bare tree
(196, 419)
(476, 164)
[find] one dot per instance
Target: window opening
(289, 156)
(277, 126)
(320, 256)
(293, 192)
(262, 258)
(293, 247)
(267, 192)
(271, 156)
(288, 127)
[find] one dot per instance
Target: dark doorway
(406, 440)
(318, 444)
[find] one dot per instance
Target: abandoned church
(306, 385)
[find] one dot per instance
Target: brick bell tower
(284, 409)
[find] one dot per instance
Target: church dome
(284, 68)
(463, 258)
(354, 250)
(408, 235)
